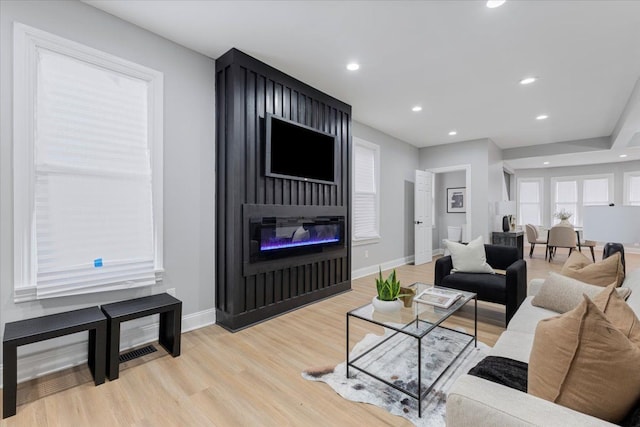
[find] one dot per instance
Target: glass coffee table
(411, 323)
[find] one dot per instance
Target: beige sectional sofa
(473, 401)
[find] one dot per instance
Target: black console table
(170, 310)
(509, 238)
(29, 331)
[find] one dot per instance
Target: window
(366, 195)
(87, 169)
(632, 188)
(529, 201)
(573, 193)
(565, 199)
(595, 191)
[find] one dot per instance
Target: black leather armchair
(509, 289)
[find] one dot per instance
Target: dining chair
(561, 237)
(533, 237)
(588, 244)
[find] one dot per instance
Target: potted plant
(388, 298)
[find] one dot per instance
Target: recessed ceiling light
(545, 163)
(452, 133)
(495, 3)
(528, 80)
(353, 66)
(623, 155)
(542, 117)
(416, 108)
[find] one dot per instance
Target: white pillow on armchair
(469, 258)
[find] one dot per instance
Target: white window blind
(366, 190)
(93, 173)
(573, 193)
(595, 192)
(632, 188)
(566, 198)
(530, 201)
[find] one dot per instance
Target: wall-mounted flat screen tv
(296, 151)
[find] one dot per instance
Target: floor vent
(134, 354)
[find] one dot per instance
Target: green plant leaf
(388, 289)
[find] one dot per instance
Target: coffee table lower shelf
(383, 353)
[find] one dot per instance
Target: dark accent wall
(247, 293)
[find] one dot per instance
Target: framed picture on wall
(456, 200)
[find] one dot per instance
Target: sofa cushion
(527, 317)
(489, 287)
(534, 286)
(619, 313)
(469, 258)
(582, 361)
(513, 345)
(632, 281)
(601, 273)
(561, 294)
(474, 401)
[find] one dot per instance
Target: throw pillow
(619, 313)
(581, 361)
(601, 273)
(561, 294)
(469, 258)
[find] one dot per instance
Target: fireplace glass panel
(276, 237)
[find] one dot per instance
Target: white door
(422, 217)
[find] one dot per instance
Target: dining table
(579, 235)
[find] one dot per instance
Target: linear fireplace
(278, 237)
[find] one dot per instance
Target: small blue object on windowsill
(97, 262)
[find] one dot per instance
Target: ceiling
(459, 60)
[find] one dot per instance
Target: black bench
(170, 310)
(29, 331)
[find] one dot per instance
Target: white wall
(189, 142)
(475, 154)
(398, 161)
(618, 170)
(495, 186)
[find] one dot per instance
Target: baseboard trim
(632, 250)
(373, 269)
(627, 249)
(61, 353)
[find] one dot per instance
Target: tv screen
(296, 151)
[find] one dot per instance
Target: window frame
(579, 214)
(627, 188)
(540, 182)
(27, 42)
(375, 236)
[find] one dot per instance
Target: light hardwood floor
(248, 378)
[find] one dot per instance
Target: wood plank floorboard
(248, 378)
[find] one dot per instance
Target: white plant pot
(386, 306)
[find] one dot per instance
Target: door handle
(417, 222)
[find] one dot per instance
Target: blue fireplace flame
(295, 237)
(283, 237)
(287, 243)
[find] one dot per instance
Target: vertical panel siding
(221, 300)
(235, 195)
(245, 93)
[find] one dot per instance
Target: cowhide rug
(396, 361)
